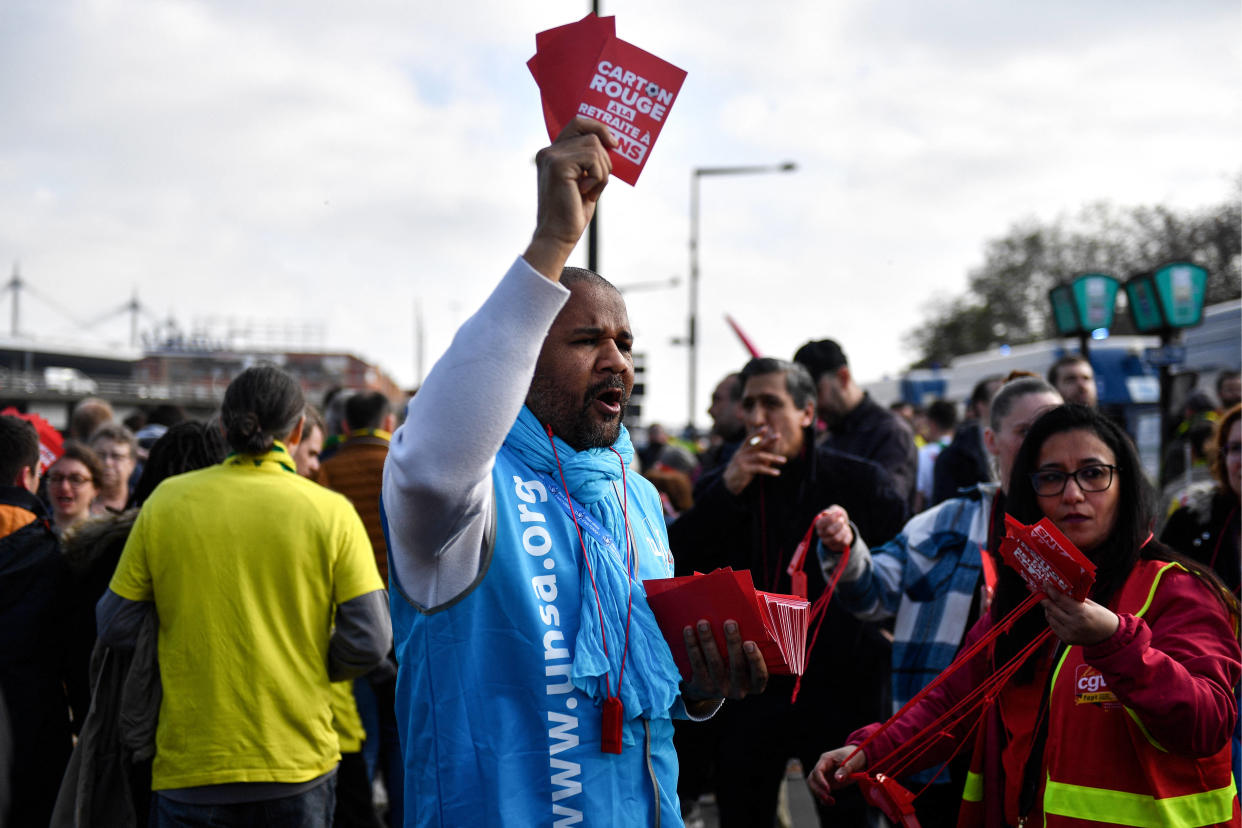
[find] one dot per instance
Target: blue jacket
(493, 728)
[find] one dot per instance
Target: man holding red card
(535, 686)
(584, 69)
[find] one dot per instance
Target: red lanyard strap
(983, 696)
(819, 610)
(921, 741)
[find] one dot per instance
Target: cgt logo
(1090, 687)
(1090, 680)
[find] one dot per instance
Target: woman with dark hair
(1204, 524)
(73, 481)
(1124, 715)
(935, 611)
(265, 589)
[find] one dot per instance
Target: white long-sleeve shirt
(437, 492)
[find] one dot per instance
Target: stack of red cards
(776, 623)
(1046, 559)
(583, 69)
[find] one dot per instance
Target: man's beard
(573, 420)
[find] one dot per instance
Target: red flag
(51, 445)
(746, 343)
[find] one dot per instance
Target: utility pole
(15, 285)
(593, 227)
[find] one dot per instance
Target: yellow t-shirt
(245, 562)
(345, 719)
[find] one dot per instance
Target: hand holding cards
(584, 69)
(776, 623)
(1046, 559)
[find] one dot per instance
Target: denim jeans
(309, 809)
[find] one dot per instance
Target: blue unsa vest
(493, 732)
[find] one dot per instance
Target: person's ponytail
(261, 405)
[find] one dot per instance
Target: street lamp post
(692, 337)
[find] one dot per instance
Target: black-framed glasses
(1094, 478)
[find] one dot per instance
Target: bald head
(572, 276)
(585, 369)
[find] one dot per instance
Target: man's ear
(390, 422)
(28, 479)
(844, 376)
(808, 415)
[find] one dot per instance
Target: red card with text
(584, 69)
(1046, 559)
(776, 623)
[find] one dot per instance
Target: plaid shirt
(926, 577)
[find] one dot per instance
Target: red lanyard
(819, 610)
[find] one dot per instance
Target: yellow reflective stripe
(1155, 583)
(1151, 593)
(974, 787)
(1139, 810)
(1138, 723)
(1056, 671)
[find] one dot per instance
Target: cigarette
(754, 441)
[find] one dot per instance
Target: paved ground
(801, 808)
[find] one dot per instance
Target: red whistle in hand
(894, 801)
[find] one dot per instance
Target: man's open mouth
(609, 400)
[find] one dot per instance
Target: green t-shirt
(245, 562)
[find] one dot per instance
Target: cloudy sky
(337, 163)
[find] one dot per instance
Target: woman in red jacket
(1124, 716)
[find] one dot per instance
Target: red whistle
(610, 725)
(894, 801)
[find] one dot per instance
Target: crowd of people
(266, 618)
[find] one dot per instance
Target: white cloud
(338, 163)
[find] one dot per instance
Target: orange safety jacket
(1102, 767)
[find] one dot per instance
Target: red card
(632, 92)
(563, 64)
(1046, 559)
(776, 623)
(583, 69)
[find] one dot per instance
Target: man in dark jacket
(751, 515)
(964, 462)
(34, 666)
(857, 424)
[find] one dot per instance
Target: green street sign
(1064, 316)
(1144, 304)
(1181, 286)
(1095, 297)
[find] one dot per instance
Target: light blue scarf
(650, 685)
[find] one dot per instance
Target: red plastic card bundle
(584, 69)
(1046, 559)
(776, 623)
